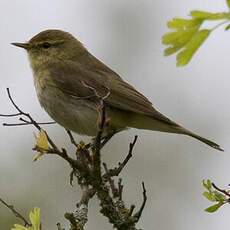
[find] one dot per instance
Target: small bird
(70, 84)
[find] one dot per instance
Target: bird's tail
(204, 140)
(166, 125)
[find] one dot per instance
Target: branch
(117, 171)
(96, 155)
(225, 192)
(139, 213)
(16, 213)
(24, 122)
(80, 214)
(114, 190)
(86, 166)
(74, 224)
(10, 115)
(54, 150)
(71, 138)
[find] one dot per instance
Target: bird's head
(51, 45)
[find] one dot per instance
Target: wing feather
(73, 79)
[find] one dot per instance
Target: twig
(16, 213)
(31, 120)
(117, 171)
(139, 213)
(15, 124)
(14, 104)
(106, 139)
(54, 150)
(221, 190)
(26, 123)
(120, 189)
(71, 138)
(10, 115)
(123, 164)
(114, 190)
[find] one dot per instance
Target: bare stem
(16, 213)
(10, 115)
(139, 213)
(71, 138)
(117, 171)
(221, 190)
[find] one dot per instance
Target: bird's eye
(46, 45)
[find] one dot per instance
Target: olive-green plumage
(69, 82)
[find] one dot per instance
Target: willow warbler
(70, 83)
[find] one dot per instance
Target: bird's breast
(78, 115)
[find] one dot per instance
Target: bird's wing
(80, 82)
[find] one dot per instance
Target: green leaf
(177, 40)
(204, 15)
(191, 47)
(19, 227)
(181, 23)
(180, 37)
(35, 218)
(209, 196)
(186, 36)
(219, 196)
(228, 3)
(214, 207)
(171, 50)
(207, 185)
(227, 27)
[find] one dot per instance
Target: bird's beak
(21, 45)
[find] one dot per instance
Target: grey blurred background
(126, 35)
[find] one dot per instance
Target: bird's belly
(78, 115)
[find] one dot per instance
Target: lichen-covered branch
(93, 180)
